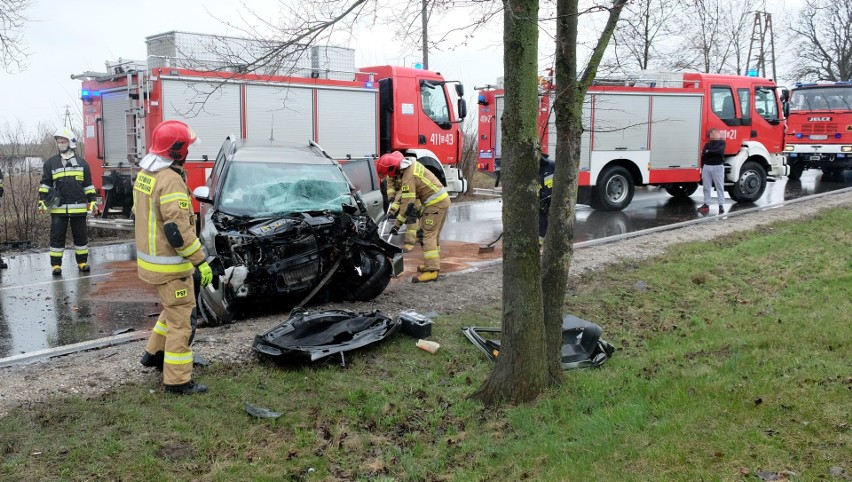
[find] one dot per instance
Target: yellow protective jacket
(160, 199)
(416, 183)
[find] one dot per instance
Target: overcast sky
(70, 37)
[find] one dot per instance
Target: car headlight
(788, 148)
(845, 148)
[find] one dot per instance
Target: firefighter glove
(206, 273)
(93, 207)
(395, 230)
(392, 210)
(42, 207)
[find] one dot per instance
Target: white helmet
(67, 134)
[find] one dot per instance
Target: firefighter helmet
(172, 139)
(389, 164)
(67, 134)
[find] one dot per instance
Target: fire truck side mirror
(462, 108)
(460, 89)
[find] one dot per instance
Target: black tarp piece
(582, 345)
(307, 336)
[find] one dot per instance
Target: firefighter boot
(425, 277)
(83, 267)
(188, 388)
(57, 270)
(153, 361)
(407, 248)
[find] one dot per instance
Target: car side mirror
(202, 193)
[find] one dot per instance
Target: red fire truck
(319, 96)
(819, 128)
(649, 130)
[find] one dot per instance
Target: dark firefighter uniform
(416, 183)
(545, 178)
(67, 191)
(167, 253)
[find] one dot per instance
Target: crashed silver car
(285, 225)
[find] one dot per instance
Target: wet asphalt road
(38, 311)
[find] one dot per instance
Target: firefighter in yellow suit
(416, 183)
(168, 252)
(411, 229)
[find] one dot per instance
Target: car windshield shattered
(260, 189)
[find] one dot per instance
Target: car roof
(287, 154)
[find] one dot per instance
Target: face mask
(62, 145)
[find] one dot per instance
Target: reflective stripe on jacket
(66, 185)
(418, 183)
(160, 198)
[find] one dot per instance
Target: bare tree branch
(13, 52)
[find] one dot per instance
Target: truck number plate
(819, 137)
(815, 157)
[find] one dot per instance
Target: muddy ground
(98, 371)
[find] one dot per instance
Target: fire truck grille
(819, 128)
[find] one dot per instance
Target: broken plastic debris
(261, 412)
(429, 346)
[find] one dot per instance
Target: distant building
(18, 165)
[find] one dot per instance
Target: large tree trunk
(519, 375)
(568, 107)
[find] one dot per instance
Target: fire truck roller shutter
(218, 117)
(676, 131)
(348, 122)
(113, 105)
(283, 113)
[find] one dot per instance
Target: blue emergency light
(798, 135)
(751, 73)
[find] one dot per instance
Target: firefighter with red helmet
(416, 183)
(67, 192)
(169, 252)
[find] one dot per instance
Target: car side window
(362, 174)
(218, 167)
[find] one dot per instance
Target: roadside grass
(733, 359)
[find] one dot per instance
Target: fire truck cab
(649, 130)
(319, 96)
(819, 128)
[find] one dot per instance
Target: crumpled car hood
(312, 336)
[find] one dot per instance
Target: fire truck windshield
(821, 98)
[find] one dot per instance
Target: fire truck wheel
(832, 175)
(614, 190)
(796, 170)
(684, 189)
(751, 184)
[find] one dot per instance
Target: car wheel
(375, 269)
(684, 189)
(751, 183)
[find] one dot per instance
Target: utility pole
(424, 20)
(761, 34)
(67, 122)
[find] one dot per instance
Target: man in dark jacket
(68, 193)
(713, 169)
(546, 166)
(3, 264)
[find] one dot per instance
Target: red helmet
(389, 164)
(172, 139)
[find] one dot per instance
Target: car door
(362, 174)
